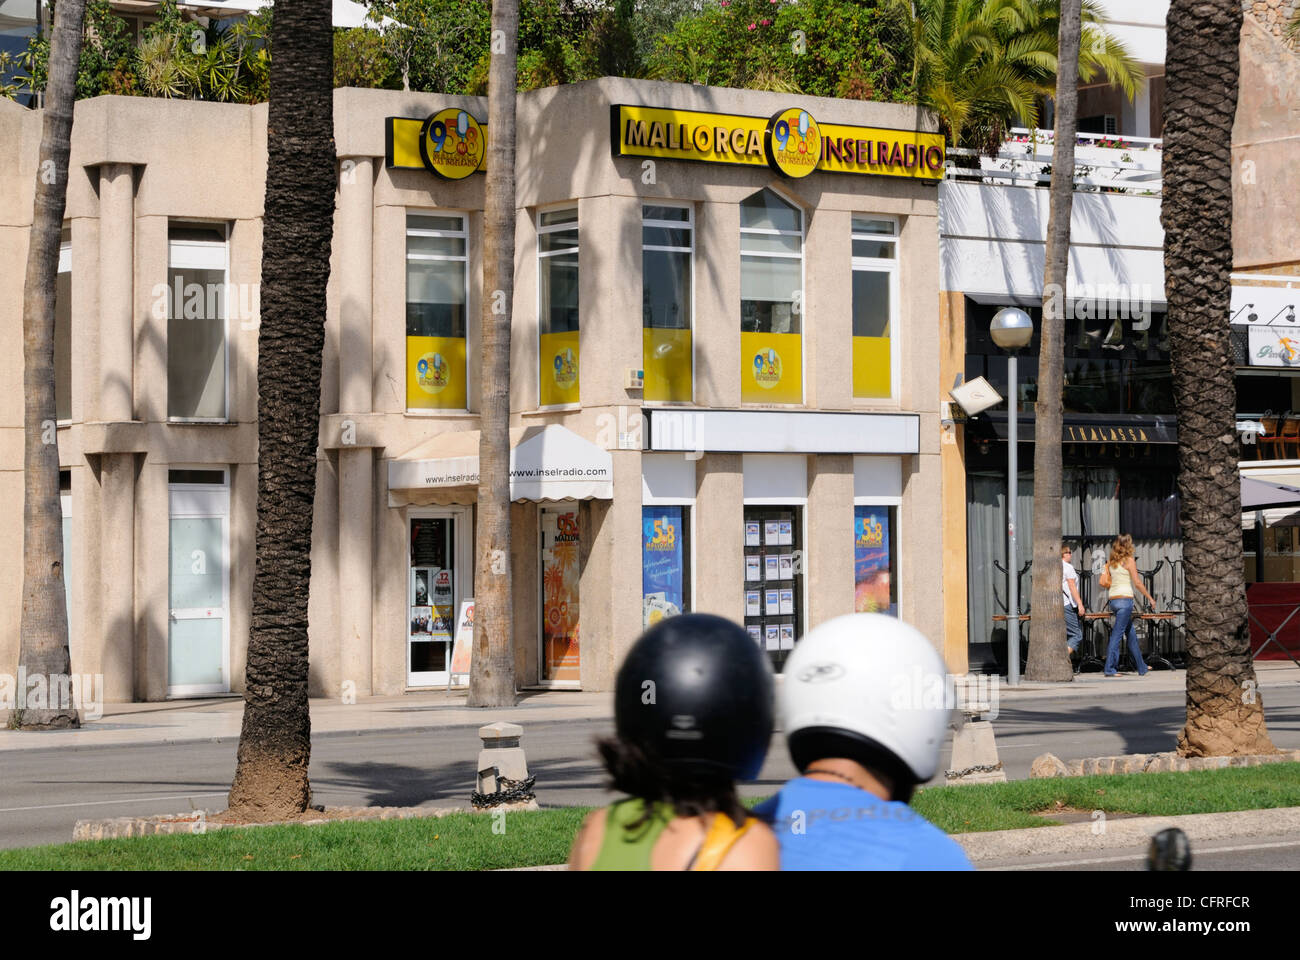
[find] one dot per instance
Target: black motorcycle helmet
(696, 693)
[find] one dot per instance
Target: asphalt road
(44, 792)
(1256, 853)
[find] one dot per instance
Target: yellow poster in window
(771, 367)
(435, 373)
(872, 372)
(666, 362)
(558, 371)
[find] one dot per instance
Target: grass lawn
(468, 841)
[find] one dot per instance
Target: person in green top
(693, 712)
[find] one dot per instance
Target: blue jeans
(1073, 632)
(1122, 607)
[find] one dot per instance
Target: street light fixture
(1012, 329)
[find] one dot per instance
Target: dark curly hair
(692, 790)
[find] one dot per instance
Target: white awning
(546, 463)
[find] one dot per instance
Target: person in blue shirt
(863, 709)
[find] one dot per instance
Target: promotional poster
(560, 544)
(662, 567)
(872, 561)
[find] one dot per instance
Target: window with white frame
(771, 264)
(197, 342)
(557, 308)
(667, 257)
(875, 307)
(437, 306)
(771, 299)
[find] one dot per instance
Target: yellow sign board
(666, 362)
(558, 368)
(449, 143)
(775, 142)
(872, 370)
(771, 367)
(435, 373)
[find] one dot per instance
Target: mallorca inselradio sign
(790, 142)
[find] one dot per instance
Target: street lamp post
(1012, 329)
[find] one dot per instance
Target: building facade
(1119, 425)
(724, 379)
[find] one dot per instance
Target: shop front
(722, 381)
(1118, 475)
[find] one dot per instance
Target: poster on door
(444, 612)
(662, 572)
(560, 544)
(872, 561)
(464, 644)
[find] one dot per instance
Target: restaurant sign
(1147, 429)
(791, 142)
(1274, 346)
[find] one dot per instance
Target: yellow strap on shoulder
(722, 836)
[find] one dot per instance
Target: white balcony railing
(1103, 163)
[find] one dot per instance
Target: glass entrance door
(198, 629)
(434, 596)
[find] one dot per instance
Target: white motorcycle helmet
(869, 688)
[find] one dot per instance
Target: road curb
(1047, 766)
(199, 822)
(1103, 834)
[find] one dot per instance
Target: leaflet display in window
(773, 585)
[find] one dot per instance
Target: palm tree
(1224, 712)
(1047, 661)
(982, 65)
(275, 741)
(43, 629)
(492, 668)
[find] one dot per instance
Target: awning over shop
(1279, 502)
(1259, 494)
(546, 463)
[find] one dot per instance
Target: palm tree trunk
(492, 668)
(1225, 714)
(1047, 657)
(275, 742)
(43, 630)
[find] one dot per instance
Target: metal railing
(1102, 163)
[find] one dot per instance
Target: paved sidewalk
(179, 721)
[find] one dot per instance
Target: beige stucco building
(660, 307)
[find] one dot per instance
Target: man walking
(1073, 605)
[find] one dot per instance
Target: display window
(437, 284)
(773, 584)
(771, 299)
(557, 310)
(561, 542)
(667, 248)
(875, 307)
(665, 562)
(875, 559)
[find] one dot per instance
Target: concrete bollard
(974, 750)
(502, 758)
